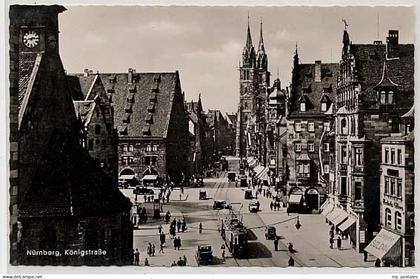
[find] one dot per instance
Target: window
(125, 148)
(302, 106)
(358, 155)
(326, 168)
(326, 147)
(311, 127)
(311, 147)
(148, 148)
(386, 155)
(343, 153)
(390, 97)
(399, 156)
(323, 106)
(154, 160)
(399, 188)
(343, 185)
(298, 127)
(97, 129)
(246, 105)
(343, 126)
(392, 186)
(386, 185)
(357, 190)
(131, 148)
(388, 217)
(155, 147)
(398, 221)
(411, 222)
(383, 97)
(392, 156)
(327, 126)
(147, 160)
(298, 147)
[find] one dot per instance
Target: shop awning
(333, 214)
(385, 245)
(150, 177)
(325, 204)
(342, 216)
(327, 209)
(126, 177)
(295, 198)
(347, 224)
(258, 169)
(263, 175)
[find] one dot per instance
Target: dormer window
(390, 97)
(302, 106)
(383, 97)
(323, 106)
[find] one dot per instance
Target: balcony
(360, 170)
(358, 206)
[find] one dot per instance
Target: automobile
(202, 195)
(221, 204)
(122, 183)
(248, 195)
(270, 233)
(143, 191)
(244, 181)
(204, 254)
(253, 207)
(198, 182)
(231, 176)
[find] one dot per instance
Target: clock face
(31, 39)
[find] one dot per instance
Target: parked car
(248, 195)
(231, 176)
(270, 233)
(143, 191)
(204, 254)
(244, 181)
(253, 207)
(202, 195)
(221, 204)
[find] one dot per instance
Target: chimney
(318, 70)
(392, 44)
(130, 75)
(85, 72)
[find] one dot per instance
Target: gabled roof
(157, 88)
(385, 80)
(409, 113)
(305, 85)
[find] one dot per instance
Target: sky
(205, 43)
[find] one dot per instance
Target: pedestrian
(161, 248)
(276, 243)
(173, 264)
(144, 197)
(160, 229)
(271, 205)
(179, 242)
(167, 217)
(179, 262)
(223, 247)
(175, 243)
(178, 225)
(162, 238)
(184, 225)
(378, 263)
(163, 199)
(137, 257)
(153, 250)
(200, 228)
(185, 260)
(331, 242)
(365, 256)
(146, 262)
(339, 243)
(291, 261)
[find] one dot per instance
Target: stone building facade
(64, 200)
(152, 123)
(375, 87)
(310, 114)
(254, 82)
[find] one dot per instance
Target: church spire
(248, 54)
(261, 43)
(248, 37)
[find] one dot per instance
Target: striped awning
(341, 217)
(327, 208)
(386, 244)
(347, 224)
(295, 198)
(127, 176)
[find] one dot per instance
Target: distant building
(375, 87)
(394, 244)
(310, 115)
(95, 113)
(63, 198)
(151, 122)
(254, 82)
(221, 129)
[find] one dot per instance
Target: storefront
(386, 246)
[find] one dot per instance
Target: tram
(235, 235)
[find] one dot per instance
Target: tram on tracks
(235, 235)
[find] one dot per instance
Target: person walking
(200, 228)
(276, 244)
(331, 242)
(271, 205)
(179, 242)
(291, 261)
(185, 260)
(146, 262)
(160, 229)
(365, 256)
(137, 257)
(162, 239)
(223, 251)
(339, 243)
(153, 250)
(161, 248)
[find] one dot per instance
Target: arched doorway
(128, 175)
(312, 199)
(150, 171)
(127, 171)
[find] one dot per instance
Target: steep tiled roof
(306, 88)
(84, 110)
(369, 62)
(133, 100)
(26, 68)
